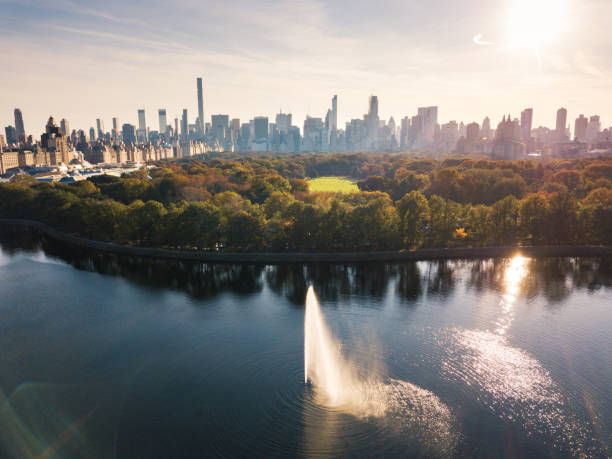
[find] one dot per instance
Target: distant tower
(373, 121)
(561, 123)
(200, 127)
(334, 118)
(486, 128)
(185, 147)
(141, 134)
(115, 129)
(100, 128)
(184, 126)
(19, 128)
(163, 121)
(580, 128)
(64, 126)
(373, 107)
(593, 129)
(526, 123)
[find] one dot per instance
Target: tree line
(263, 203)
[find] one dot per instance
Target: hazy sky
(86, 59)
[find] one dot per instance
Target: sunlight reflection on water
(511, 383)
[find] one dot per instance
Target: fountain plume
(355, 388)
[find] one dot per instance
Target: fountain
(353, 387)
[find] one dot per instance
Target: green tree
(532, 216)
(413, 211)
(443, 220)
(197, 225)
(504, 220)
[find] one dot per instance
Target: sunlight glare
(534, 23)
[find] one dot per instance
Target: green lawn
(335, 184)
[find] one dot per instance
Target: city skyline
(142, 125)
(254, 57)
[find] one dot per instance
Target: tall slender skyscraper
(373, 120)
(19, 128)
(185, 146)
(334, 117)
(184, 126)
(64, 126)
(200, 126)
(142, 124)
(163, 121)
(115, 129)
(100, 128)
(526, 123)
(561, 124)
(141, 134)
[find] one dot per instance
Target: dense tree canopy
(263, 203)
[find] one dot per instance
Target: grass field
(335, 184)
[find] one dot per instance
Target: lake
(107, 356)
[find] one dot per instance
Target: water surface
(103, 356)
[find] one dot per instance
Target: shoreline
(311, 257)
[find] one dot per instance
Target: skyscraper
(486, 128)
(11, 135)
(472, 133)
(115, 129)
(163, 121)
(561, 124)
(334, 117)
(19, 128)
(141, 133)
(200, 126)
(64, 126)
(219, 127)
(427, 122)
(580, 128)
(184, 126)
(372, 122)
(100, 128)
(261, 127)
(526, 123)
(142, 124)
(593, 129)
(185, 147)
(129, 134)
(283, 122)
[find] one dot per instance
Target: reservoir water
(102, 356)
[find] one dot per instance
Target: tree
(504, 220)
(560, 225)
(532, 216)
(478, 224)
(243, 230)
(443, 220)
(413, 211)
(197, 225)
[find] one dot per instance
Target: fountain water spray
(354, 388)
(323, 363)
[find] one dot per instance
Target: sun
(535, 23)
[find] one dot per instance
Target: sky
(83, 59)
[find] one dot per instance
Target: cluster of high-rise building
(514, 138)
